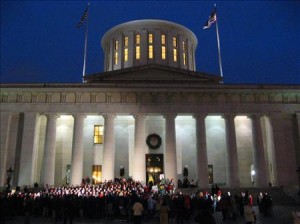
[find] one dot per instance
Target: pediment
(153, 73)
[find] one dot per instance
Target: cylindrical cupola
(150, 41)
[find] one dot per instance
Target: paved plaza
(282, 215)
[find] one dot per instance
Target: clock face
(153, 141)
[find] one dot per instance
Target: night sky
(260, 40)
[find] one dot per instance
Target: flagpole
(85, 48)
(219, 48)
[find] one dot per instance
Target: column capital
(255, 116)
(52, 115)
(200, 116)
(137, 115)
(169, 115)
(108, 115)
(79, 115)
(229, 116)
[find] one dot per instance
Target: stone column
(28, 149)
(77, 150)
(201, 152)
(232, 157)
(50, 149)
(170, 148)
(108, 165)
(139, 166)
(298, 142)
(260, 177)
(4, 141)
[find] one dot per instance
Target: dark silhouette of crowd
(117, 200)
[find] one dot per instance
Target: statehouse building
(149, 115)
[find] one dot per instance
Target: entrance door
(154, 168)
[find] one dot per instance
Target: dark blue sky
(260, 40)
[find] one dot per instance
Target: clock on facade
(153, 141)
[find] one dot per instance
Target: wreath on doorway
(153, 141)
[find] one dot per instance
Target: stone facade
(220, 132)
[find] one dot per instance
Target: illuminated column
(4, 141)
(77, 150)
(170, 148)
(108, 166)
(28, 149)
(260, 176)
(50, 149)
(139, 166)
(232, 157)
(201, 152)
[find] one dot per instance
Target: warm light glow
(150, 51)
(98, 134)
(137, 52)
(175, 55)
(126, 48)
(163, 52)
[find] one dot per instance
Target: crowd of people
(130, 201)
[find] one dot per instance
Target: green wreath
(153, 141)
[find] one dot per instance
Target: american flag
(84, 16)
(211, 19)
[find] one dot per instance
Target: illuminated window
(163, 46)
(116, 47)
(150, 51)
(163, 52)
(184, 52)
(97, 174)
(175, 54)
(163, 39)
(150, 38)
(137, 39)
(174, 42)
(150, 47)
(126, 49)
(98, 134)
(137, 52)
(137, 46)
(175, 49)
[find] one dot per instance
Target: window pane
(126, 54)
(150, 37)
(175, 54)
(137, 39)
(163, 52)
(126, 42)
(150, 51)
(174, 42)
(98, 134)
(163, 39)
(137, 52)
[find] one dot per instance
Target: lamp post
(252, 177)
(298, 171)
(9, 176)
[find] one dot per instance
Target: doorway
(154, 168)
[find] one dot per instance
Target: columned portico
(139, 171)
(77, 149)
(4, 139)
(232, 156)
(260, 176)
(170, 148)
(50, 149)
(28, 149)
(201, 152)
(108, 165)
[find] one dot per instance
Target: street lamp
(252, 176)
(9, 176)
